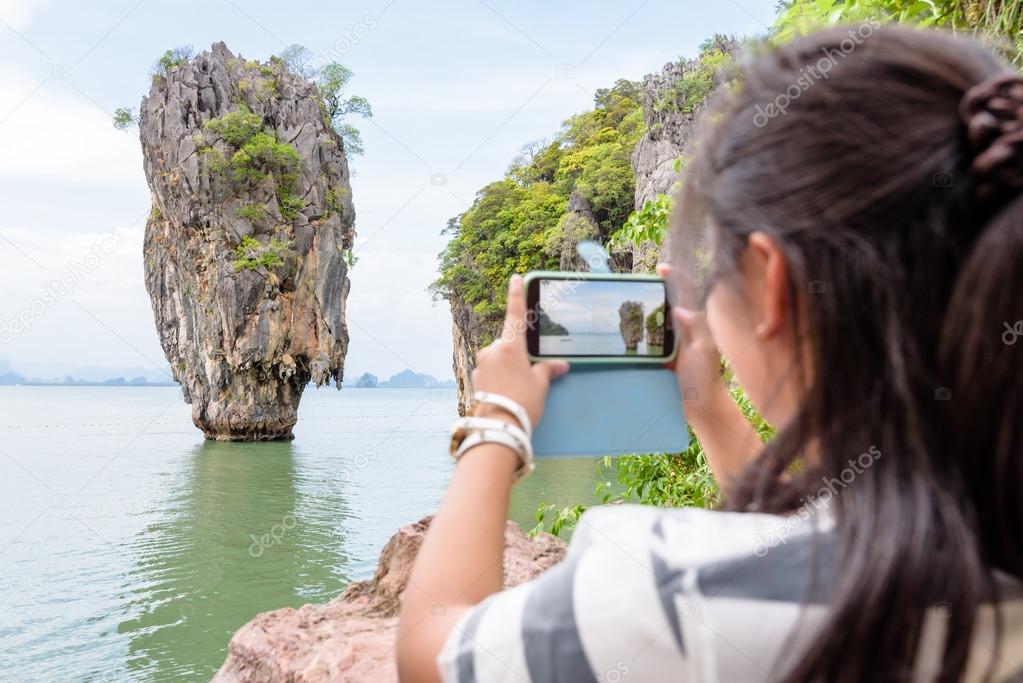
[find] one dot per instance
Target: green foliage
(265, 151)
(515, 224)
(333, 201)
(649, 224)
(170, 59)
(350, 258)
(155, 214)
(237, 127)
(332, 81)
(502, 233)
(563, 519)
(655, 321)
(252, 254)
(1000, 18)
(252, 212)
(213, 162)
(124, 118)
(289, 204)
(696, 85)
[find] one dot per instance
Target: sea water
(131, 549)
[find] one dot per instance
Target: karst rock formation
(630, 324)
(245, 246)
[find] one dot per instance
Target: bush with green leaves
(252, 254)
(124, 118)
(170, 59)
(253, 213)
(237, 127)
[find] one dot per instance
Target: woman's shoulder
(693, 537)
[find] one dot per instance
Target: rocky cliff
(245, 245)
(352, 637)
(672, 100)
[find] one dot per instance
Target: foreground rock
(352, 637)
(245, 245)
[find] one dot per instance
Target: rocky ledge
(352, 637)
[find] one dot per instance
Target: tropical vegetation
(515, 223)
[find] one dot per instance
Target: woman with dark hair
(856, 234)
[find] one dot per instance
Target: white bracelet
(472, 431)
(508, 404)
(464, 425)
(503, 438)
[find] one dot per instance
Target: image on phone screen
(601, 318)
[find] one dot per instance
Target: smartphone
(598, 318)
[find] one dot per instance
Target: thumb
(551, 369)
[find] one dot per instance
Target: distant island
(550, 328)
(406, 379)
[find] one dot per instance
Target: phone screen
(588, 318)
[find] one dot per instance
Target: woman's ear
(767, 283)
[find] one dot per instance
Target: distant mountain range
(68, 375)
(406, 379)
(38, 374)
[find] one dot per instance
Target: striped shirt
(649, 594)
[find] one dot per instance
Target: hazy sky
(456, 87)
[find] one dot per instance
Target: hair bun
(992, 112)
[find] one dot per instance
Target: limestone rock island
(245, 245)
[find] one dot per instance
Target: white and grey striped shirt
(648, 594)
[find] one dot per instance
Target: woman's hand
(729, 441)
(504, 366)
(697, 364)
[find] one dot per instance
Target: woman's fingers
(515, 318)
(550, 369)
(685, 320)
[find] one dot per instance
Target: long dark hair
(906, 280)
